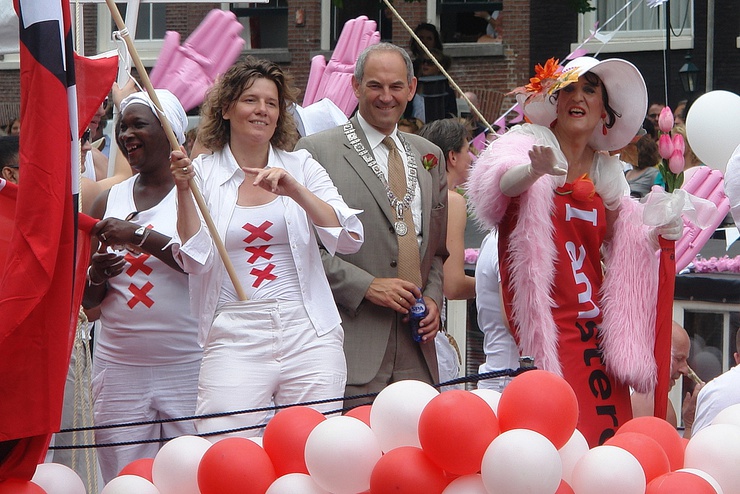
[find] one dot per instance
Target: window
(151, 20)
(633, 26)
(150, 29)
(351, 9)
(459, 24)
(265, 24)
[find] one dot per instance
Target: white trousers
(265, 352)
(131, 393)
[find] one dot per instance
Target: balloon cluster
(415, 440)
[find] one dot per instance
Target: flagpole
(147, 83)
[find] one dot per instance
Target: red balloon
(455, 429)
(18, 486)
(235, 465)
(361, 413)
(141, 467)
(407, 470)
(285, 438)
(679, 483)
(663, 432)
(648, 452)
(564, 488)
(542, 402)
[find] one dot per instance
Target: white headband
(171, 108)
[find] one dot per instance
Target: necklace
(397, 204)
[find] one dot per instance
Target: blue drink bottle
(416, 314)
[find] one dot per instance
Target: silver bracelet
(144, 236)
(90, 280)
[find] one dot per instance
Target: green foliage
(580, 6)
(672, 181)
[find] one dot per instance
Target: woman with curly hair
(284, 344)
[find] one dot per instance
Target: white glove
(518, 179)
(670, 231)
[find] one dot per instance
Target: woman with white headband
(559, 201)
(147, 358)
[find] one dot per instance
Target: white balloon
(521, 460)
(341, 453)
(56, 478)
(175, 468)
(608, 470)
(730, 415)
(294, 483)
(716, 450)
(394, 416)
(490, 396)
(705, 476)
(129, 484)
(711, 127)
(467, 484)
(571, 452)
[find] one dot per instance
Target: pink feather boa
(629, 290)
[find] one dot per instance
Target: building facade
(291, 32)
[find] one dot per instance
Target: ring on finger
(103, 237)
(184, 169)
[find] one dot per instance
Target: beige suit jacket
(367, 326)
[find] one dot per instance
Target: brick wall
(501, 73)
(303, 40)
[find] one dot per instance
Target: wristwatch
(140, 235)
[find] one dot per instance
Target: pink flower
(678, 143)
(665, 146)
(676, 162)
(665, 120)
(471, 255)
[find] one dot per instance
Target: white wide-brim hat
(627, 96)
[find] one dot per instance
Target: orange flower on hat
(548, 79)
(544, 74)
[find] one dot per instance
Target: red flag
(42, 281)
(94, 78)
(8, 192)
(664, 324)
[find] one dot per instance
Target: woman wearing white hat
(147, 357)
(559, 202)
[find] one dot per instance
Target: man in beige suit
(373, 288)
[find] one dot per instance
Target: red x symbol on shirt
(137, 264)
(257, 252)
(140, 295)
(256, 232)
(262, 275)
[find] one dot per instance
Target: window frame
(634, 41)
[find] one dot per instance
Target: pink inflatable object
(706, 183)
(188, 71)
(333, 80)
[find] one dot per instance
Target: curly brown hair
(214, 131)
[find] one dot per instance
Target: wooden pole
(439, 66)
(147, 83)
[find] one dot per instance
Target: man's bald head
(680, 348)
